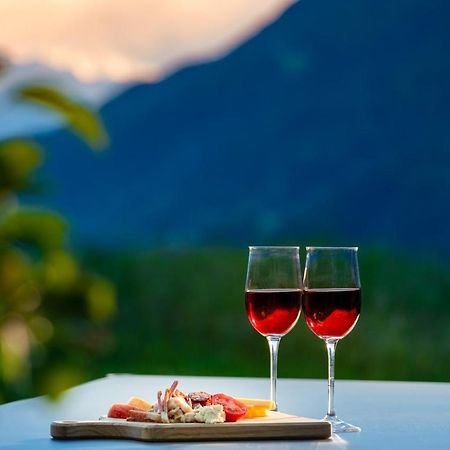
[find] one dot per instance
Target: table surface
(393, 415)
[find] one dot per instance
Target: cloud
(129, 40)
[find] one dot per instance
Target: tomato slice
(120, 410)
(234, 409)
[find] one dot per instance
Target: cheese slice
(249, 402)
(255, 411)
(140, 403)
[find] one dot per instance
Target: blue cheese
(210, 414)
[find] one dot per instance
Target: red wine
(331, 312)
(273, 311)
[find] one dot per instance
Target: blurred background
(144, 145)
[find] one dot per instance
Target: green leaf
(60, 271)
(18, 160)
(46, 230)
(58, 378)
(81, 120)
(101, 300)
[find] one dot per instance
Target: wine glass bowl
(273, 312)
(332, 313)
(332, 305)
(273, 297)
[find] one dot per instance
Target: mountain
(332, 124)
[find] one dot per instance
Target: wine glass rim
(275, 247)
(331, 248)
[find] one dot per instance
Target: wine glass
(273, 297)
(331, 304)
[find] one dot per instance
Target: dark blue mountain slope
(334, 121)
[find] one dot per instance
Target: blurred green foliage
(18, 161)
(53, 313)
(79, 119)
(182, 312)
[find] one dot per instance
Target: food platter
(275, 425)
(196, 416)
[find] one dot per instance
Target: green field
(182, 312)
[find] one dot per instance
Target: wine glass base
(339, 426)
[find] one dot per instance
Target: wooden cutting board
(275, 425)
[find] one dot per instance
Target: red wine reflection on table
(331, 313)
(273, 311)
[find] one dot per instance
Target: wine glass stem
(331, 349)
(274, 342)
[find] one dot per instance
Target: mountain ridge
(331, 122)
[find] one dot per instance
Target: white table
(393, 415)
